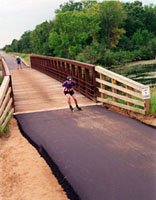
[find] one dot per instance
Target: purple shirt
(67, 86)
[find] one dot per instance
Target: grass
(4, 131)
(1, 80)
(140, 71)
(153, 101)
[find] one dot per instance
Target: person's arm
(64, 86)
(74, 83)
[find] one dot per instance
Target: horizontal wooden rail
(122, 92)
(59, 68)
(5, 69)
(6, 97)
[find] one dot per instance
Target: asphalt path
(102, 154)
(11, 61)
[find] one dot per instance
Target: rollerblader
(69, 92)
(18, 60)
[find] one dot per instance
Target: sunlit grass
(153, 101)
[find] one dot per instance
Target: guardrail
(122, 92)
(6, 97)
(58, 68)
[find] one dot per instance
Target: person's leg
(18, 65)
(76, 102)
(69, 101)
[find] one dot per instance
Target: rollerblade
(71, 108)
(78, 107)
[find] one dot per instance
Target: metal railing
(58, 68)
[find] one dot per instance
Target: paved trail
(104, 156)
(11, 61)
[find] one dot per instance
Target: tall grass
(1, 78)
(153, 101)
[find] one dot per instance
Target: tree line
(105, 33)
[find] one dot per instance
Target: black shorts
(69, 92)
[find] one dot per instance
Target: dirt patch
(24, 175)
(149, 120)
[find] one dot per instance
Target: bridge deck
(35, 91)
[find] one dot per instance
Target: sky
(18, 16)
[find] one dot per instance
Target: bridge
(95, 153)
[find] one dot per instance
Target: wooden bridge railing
(6, 96)
(122, 92)
(58, 68)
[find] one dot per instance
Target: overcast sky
(18, 16)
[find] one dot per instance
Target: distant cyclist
(18, 60)
(69, 92)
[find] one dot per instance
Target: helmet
(69, 78)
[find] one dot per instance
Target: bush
(92, 54)
(145, 53)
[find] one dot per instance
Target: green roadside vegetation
(1, 78)
(153, 101)
(5, 130)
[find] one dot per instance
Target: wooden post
(86, 80)
(73, 71)
(79, 78)
(147, 106)
(102, 77)
(93, 75)
(128, 95)
(114, 90)
(68, 69)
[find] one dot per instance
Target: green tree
(135, 17)
(112, 16)
(75, 6)
(39, 39)
(150, 18)
(152, 47)
(14, 46)
(24, 43)
(141, 38)
(72, 31)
